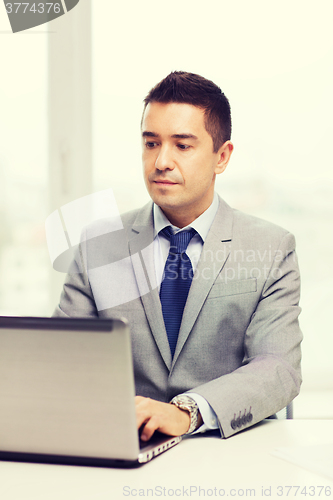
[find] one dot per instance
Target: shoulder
(119, 222)
(139, 216)
(250, 224)
(247, 228)
(262, 233)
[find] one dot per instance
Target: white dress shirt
(161, 250)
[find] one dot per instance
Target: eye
(150, 144)
(183, 147)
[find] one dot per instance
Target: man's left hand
(164, 417)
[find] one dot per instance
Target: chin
(162, 200)
(163, 203)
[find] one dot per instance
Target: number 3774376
(36, 8)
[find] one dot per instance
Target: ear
(223, 155)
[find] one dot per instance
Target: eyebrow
(149, 134)
(184, 136)
(174, 136)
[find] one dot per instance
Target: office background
(70, 107)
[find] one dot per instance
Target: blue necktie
(176, 282)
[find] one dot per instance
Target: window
(24, 260)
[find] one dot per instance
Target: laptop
(67, 393)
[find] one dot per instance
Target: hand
(163, 417)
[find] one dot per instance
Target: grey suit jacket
(239, 341)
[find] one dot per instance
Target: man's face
(178, 160)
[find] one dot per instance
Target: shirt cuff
(210, 420)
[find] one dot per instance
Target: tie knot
(178, 241)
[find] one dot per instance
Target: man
(228, 338)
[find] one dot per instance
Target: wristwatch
(186, 403)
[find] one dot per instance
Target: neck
(179, 221)
(182, 218)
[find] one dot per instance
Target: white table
(240, 466)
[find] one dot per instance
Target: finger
(141, 418)
(143, 411)
(148, 430)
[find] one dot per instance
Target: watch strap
(187, 403)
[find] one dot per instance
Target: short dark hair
(189, 88)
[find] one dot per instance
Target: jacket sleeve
(270, 375)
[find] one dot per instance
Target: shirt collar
(201, 224)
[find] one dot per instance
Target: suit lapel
(141, 249)
(214, 255)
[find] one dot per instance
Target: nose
(164, 160)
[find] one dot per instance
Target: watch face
(185, 401)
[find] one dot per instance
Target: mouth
(164, 182)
